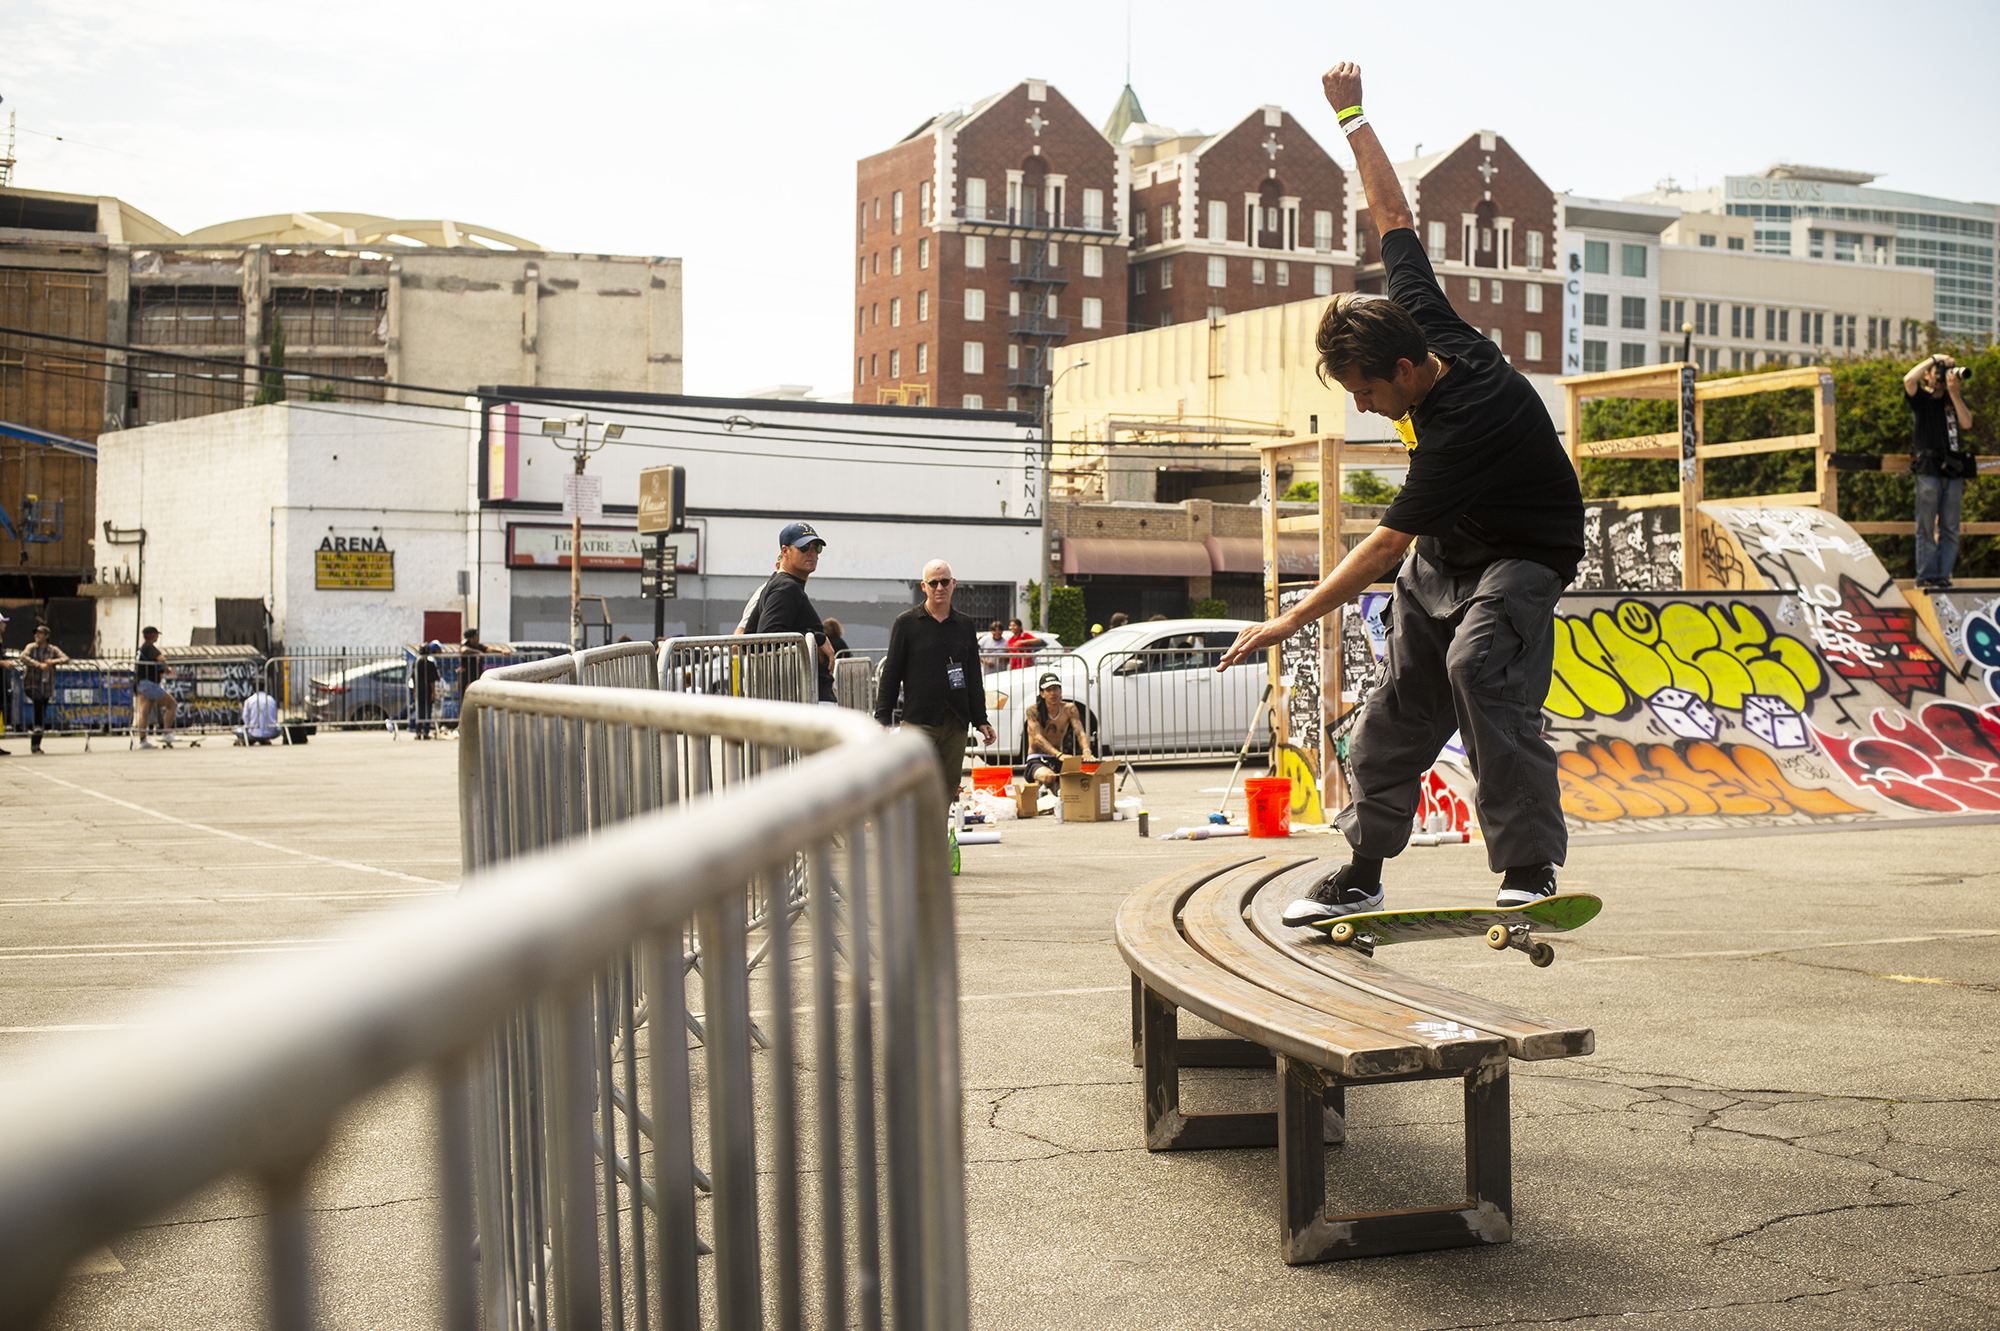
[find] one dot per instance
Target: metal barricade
(1168, 704)
(566, 942)
(778, 666)
(620, 665)
(854, 683)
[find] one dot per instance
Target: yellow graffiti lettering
(1609, 780)
(1608, 664)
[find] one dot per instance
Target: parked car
(1147, 689)
(377, 691)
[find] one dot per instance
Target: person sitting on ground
(1055, 731)
(1022, 644)
(260, 719)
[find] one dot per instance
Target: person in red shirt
(1022, 644)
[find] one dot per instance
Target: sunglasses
(813, 548)
(939, 582)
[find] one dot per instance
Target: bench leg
(1199, 1052)
(1167, 1127)
(1309, 1234)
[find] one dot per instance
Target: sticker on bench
(1446, 1030)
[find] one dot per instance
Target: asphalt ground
(1792, 1118)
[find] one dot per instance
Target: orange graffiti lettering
(1612, 779)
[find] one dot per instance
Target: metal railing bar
(644, 1122)
(629, 1034)
(677, 1275)
(941, 1134)
(578, 1259)
(901, 1068)
(454, 1093)
(287, 1252)
(232, 1076)
(606, 1070)
(732, 1135)
(826, 1050)
(867, 1161)
(782, 1068)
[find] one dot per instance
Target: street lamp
(558, 428)
(1048, 483)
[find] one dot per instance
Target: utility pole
(576, 498)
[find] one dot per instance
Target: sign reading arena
(354, 564)
(532, 545)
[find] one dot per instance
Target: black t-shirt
(784, 607)
(147, 669)
(1935, 446)
(936, 665)
(1489, 478)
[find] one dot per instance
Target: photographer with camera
(1940, 461)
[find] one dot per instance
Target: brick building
(1253, 216)
(982, 240)
(1489, 224)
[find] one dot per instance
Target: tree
(272, 389)
(1068, 620)
(1365, 487)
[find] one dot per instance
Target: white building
(1610, 257)
(368, 525)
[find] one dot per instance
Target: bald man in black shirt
(1495, 513)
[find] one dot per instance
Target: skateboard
(1503, 926)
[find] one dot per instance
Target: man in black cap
(1055, 730)
(784, 607)
(933, 661)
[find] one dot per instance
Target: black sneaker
(1333, 899)
(1525, 886)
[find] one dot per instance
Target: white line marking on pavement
(52, 1030)
(220, 952)
(1799, 947)
(195, 943)
(1047, 993)
(221, 897)
(233, 836)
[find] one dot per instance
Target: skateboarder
(1496, 516)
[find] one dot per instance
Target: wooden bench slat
(1151, 943)
(1213, 921)
(1529, 1036)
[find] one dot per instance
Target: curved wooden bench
(1210, 940)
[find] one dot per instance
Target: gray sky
(726, 133)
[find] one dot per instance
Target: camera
(1962, 373)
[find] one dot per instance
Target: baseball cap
(800, 535)
(1048, 679)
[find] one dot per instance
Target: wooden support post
(1825, 479)
(1332, 521)
(1489, 1149)
(1693, 538)
(1573, 425)
(1690, 482)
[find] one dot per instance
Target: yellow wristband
(1354, 110)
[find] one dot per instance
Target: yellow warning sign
(354, 570)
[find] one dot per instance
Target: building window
(1322, 279)
(1736, 243)
(875, 264)
(924, 204)
(1632, 260)
(1434, 241)
(1013, 355)
(975, 199)
(895, 311)
(1596, 309)
(1013, 404)
(1139, 227)
(873, 366)
(861, 271)
(1138, 279)
(1013, 304)
(1631, 355)
(1531, 299)
(923, 306)
(896, 213)
(874, 313)
(1216, 314)
(1742, 322)
(1166, 222)
(1013, 251)
(1093, 210)
(1166, 318)
(1534, 258)
(1531, 345)
(1494, 333)
(1218, 271)
(1597, 256)
(859, 364)
(1594, 356)
(1256, 272)
(924, 253)
(1218, 220)
(973, 402)
(1494, 292)
(975, 358)
(1322, 230)
(1708, 240)
(1818, 338)
(860, 319)
(1093, 312)
(895, 365)
(1472, 291)
(923, 357)
(1052, 305)
(1093, 261)
(975, 303)
(895, 261)
(1166, 274)
(975, 251)
(1284, 273)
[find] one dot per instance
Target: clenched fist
(1343, 85)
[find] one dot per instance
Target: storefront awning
(1131, 558)
(1298, 556)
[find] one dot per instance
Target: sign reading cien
(531, 545)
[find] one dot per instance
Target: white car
(1145, 689)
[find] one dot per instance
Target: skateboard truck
(1345, 935)
(1521, 938)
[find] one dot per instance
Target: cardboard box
(1087, 797)
(1027, 799)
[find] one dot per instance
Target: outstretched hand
(1256, 637)
(1343, 85)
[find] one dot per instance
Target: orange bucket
(993, 779)
(1270, 799)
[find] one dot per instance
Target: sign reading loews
(354, 564)
(532, 545)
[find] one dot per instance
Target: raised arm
(1387, 204)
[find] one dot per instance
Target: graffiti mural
(1613, 780)
(1635, 550)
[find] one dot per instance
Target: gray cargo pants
(1473, 654)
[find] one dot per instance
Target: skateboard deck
(1503, 926)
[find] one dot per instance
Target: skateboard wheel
(1342, 932)
(1496, 937)
(1541, 954)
